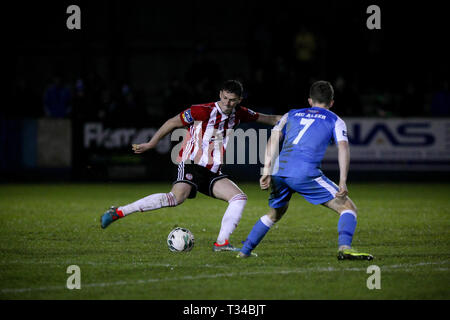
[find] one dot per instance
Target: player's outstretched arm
(344, 164)
(272, 149)
(270, 119)
(164, 130)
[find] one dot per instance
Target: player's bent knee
(350, 205)
(181, 192)
(179, 201)
(341, 205)
(180, 197)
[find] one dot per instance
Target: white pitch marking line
(220, 275)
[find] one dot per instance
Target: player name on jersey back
(310, 115)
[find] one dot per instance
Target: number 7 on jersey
(306, 123)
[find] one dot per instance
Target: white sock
(231, 217)
(267, 221)
(151, 202)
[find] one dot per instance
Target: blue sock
(254, 237)
(346, 228)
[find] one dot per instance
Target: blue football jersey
(306, 136)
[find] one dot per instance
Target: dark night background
(155, 58)
(139, 62)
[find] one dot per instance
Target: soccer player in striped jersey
(305, 135)
(200, 160)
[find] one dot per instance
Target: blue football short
(314, 190)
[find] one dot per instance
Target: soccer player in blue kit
(305, 135)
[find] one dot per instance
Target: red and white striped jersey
(209, 131)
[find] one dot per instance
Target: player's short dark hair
(233, 86)
(321, 92)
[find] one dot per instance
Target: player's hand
(264, 182)
(343, 191)
(140, 148)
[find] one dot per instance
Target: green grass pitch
(45, 228)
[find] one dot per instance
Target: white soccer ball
(180, 239)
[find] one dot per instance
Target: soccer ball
(180, 239)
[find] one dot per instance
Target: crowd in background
(283, 57)
(276, 88)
